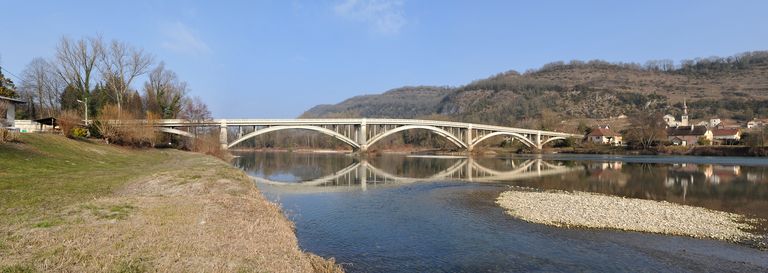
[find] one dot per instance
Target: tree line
(102, 74)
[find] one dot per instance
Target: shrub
(209, 144)
(68, 120)
(703, 141)
(79, 132)
(122, 127)
(8, 135)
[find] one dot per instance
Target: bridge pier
(468, 140)
(538, 141)
(223, 138)
(362, 137)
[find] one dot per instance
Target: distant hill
(732, 87)
(405, 102)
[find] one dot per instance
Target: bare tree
(120, 64)
(41, 87)
(647, 128)
(76, 61)
(164, 92)
(196, 110)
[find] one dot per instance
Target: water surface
(437, 214)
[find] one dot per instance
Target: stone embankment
(589, 210)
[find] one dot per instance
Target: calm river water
(397, 213)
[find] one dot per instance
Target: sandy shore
(581, 209)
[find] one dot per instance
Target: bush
(122, 127)
(68, 120)
(209, 144)
(8, 135)
(703, 141)
(79, 132)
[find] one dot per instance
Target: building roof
(602, 131)
(725, 131)
(12, 99)
(47, 121)
(692, 130)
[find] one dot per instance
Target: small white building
(714, 122)
(8, 111)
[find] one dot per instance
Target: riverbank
(82, 206)
(588, 210)
(667, 150)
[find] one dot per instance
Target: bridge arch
(520, 137)
(301, 127)
(436, 130)
(552, 139)
(176, 132)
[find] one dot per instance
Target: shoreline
(102, 207)
(698, 151)
(596, 211)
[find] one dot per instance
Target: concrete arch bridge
(362, 133)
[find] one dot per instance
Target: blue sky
(275, 59)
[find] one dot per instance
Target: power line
(9, 72)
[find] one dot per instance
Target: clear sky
(275, 59)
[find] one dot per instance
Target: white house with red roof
(603, 134)
(726, 135)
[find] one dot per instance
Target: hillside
(732, 87)
(405, 102)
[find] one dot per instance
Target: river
(397, 213)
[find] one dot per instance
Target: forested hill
(732, 87)
(405, 102)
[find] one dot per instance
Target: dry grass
(321, 265)
(120, 127)
(209, 144)
(68, 120)
(191, 213)
(8, 136)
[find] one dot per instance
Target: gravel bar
(589, 210)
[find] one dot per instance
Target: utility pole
(85, 103)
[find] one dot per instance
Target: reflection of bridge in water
(465, 169)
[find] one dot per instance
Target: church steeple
(684, 117)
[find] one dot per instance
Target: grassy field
(80, 206)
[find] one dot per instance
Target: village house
(685, 133)
(722, 136)
(604, 135)
(752, 124)
(8, 111)
(688, 135)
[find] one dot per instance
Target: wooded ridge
(732, 87)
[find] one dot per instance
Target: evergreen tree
(7, 88)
